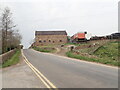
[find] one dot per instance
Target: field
(100, 51)
(106, 53)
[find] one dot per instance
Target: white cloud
(98, 17)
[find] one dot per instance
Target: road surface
(69, 73)
(20, 76)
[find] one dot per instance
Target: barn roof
(50, 33)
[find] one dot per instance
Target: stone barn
(50, 38)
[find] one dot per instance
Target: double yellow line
(47, 83)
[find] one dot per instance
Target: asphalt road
(69, 73)
(19, 76)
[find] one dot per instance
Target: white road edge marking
(39, 74)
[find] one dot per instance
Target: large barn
(50, 37)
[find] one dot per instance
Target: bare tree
(10, 37)
(0, 32)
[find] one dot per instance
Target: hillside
(105, 52)
(108, 51)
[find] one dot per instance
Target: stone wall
(50, 39)
(7, 56)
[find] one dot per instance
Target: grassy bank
(72, 44)
(108, 51)
(98, 60)
(44, 49)
(13, 60)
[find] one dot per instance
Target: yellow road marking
(39, 74)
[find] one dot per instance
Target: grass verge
(44, 49)
(13, 60)
(100, 60)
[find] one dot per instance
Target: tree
(0, 32)
(10, 36)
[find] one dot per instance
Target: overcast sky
(98, 17)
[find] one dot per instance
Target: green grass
(78, 44)
(47, 46)
(100, 60)
(90, 48)
(109, 51)
(42, 49)
(72, 44)
(13, 60)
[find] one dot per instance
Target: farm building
(50, 37)
(98, 38)
(115, 36)
(112, 36)
(79, 37)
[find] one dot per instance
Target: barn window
(53, 41)
(49, 40)
(60, 40)
(44, 40)
(40, 41)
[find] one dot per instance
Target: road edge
(73, 59)
(46, 82)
